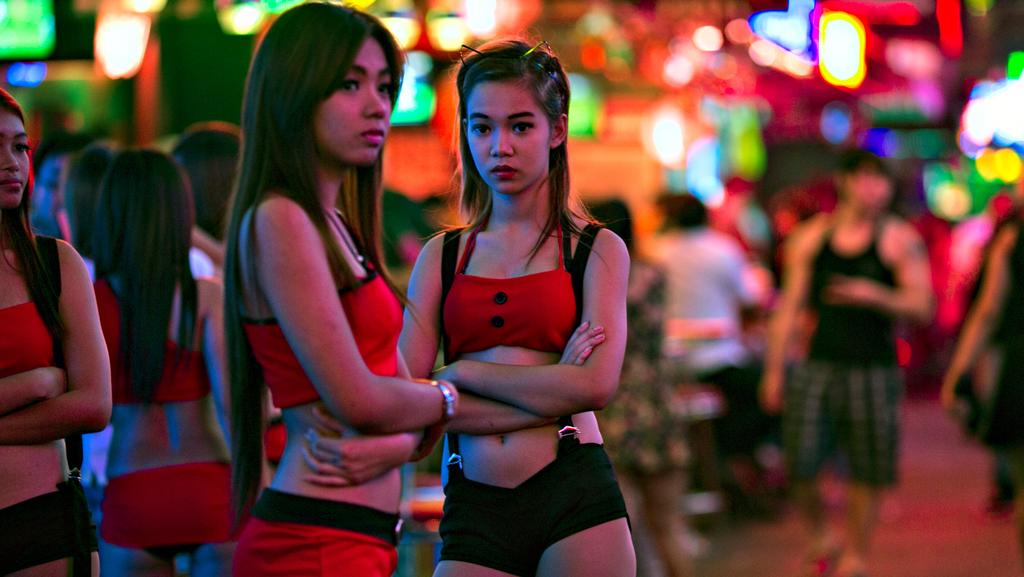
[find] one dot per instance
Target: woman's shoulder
(603, 236)
(278, 217)
(73, 270)
(277, 205)
(436, 244)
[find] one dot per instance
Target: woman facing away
(54, 380)
(169, 489)
(208, 151)
(310, 311)
(81, 192)
(644, 437)
(533, 333)
(994, 321)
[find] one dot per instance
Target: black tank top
(849, 334)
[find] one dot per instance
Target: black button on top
(497, 322)
(500, 298)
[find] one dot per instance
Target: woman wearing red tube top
(310, 312)
(169, 490)
(529, 488)
(54, 380)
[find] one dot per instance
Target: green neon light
(26, 29)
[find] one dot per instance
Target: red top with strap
(535, 311)
(25, 343)
(183, 379)
(373, 313)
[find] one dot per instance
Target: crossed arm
(50, 403)
(505, 398)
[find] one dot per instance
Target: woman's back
(163, 433)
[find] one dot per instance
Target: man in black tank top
(859, 270)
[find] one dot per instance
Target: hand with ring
(342, 461)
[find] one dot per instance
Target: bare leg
(662, 499)
(808, 498)
(128, 562)
(58, 568)
(212, 560)
(861, 518)
(462, 569)
(602, 551)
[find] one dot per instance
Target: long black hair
(141, 246)
(208, 152)
(82, 191)
(300, 62)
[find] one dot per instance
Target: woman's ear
(559, 131)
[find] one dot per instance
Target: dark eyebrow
(510, 116)
(362, 71)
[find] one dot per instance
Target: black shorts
(508, 529)
(47, 528)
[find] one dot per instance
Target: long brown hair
(538, 69)
(16, 233)
(300, 62)
(141, 246)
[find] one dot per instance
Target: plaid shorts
(852, 408)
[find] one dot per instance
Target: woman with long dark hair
(208, 151)
(169, 478)
(54, 379)
(310, 311)
(992, 328)
(533, 331)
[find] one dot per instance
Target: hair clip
(535, 47)
(462, 53)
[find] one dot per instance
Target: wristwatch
(448, 393)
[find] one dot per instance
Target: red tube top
(25, 344)
(535, 311)
(184, 380)
(375, 316)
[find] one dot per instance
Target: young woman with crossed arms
(530, 490)
(309, 310)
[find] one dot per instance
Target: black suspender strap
(51, 262)
(81, 561)
(578, 266)
(449, 260)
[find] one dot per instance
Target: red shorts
(275, 549)
(177, 505)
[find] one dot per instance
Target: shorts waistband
(277, 506)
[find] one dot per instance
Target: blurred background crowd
(713, 128)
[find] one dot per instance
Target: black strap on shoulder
(51, 262)
(578, 266)
(449, 260)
